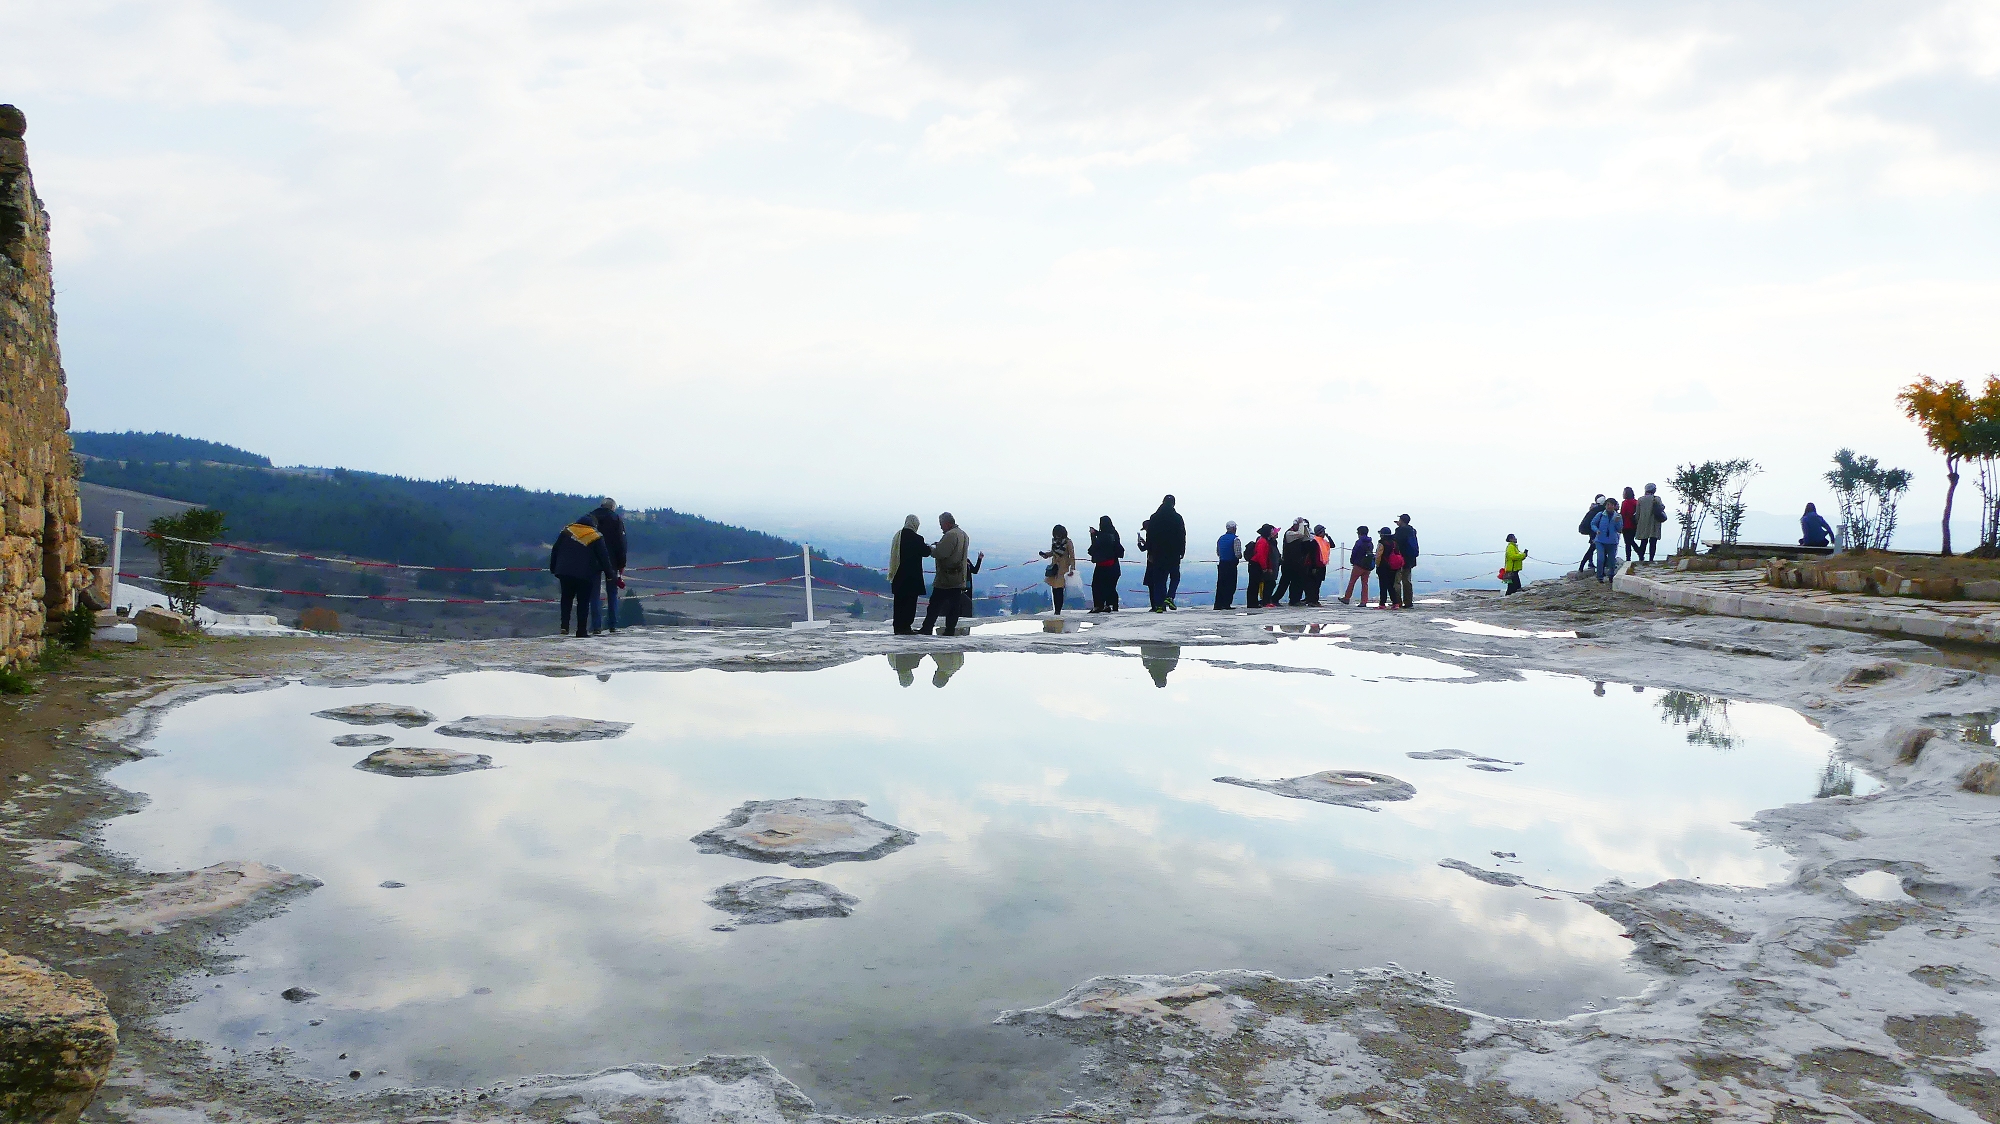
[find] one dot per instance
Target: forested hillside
(391, 518)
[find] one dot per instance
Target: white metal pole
(807, 548)
(117, 553)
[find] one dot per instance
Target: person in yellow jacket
(1511, 568)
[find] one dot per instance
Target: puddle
(551, 914)
(1877, 886)
(1321, 629)
(1329, 654)
(1480, 628)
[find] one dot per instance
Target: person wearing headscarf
(1105, 550)
(907, 552)
(1062, 563)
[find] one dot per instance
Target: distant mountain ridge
(397, 519)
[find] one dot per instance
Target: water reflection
(1160, 661)
(1836, 779)
(550, 913)
(1705, 717)
(906, 664)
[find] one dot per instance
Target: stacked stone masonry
(1744, 593)
(41, 563)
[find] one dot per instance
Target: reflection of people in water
(906, 664)
(948, 664)
(1599, 692)
(1160, 661)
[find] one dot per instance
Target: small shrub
(13, 682)
(186, 563)
(75, 628)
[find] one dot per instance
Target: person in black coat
(1105, 550)
(578, 559)
(612, 527)
(906, 574)
(1165, 545)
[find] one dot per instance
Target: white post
(806, 551)
(117, 553)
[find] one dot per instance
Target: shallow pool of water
(552, 915)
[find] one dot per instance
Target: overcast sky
(856, 259)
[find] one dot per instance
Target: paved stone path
(1742, 593)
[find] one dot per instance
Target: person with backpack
(1586, 528)
(1062, 563)
(578, 559)
(907, 552)
(1256, 557)
(1510, 569)
(1406, 545)
(1388, 582)
(1652, 519)
(1318, 583)
(1105, 551)
(1606, 529)
(1361, 563)
(1227, 550)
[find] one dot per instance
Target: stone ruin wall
(41, 565)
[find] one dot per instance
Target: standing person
(1388, 561)
(1105, 550)
(1512, 566)
(1253, 558)
(578, 559)
(1062, 563)
(612, 527)
(1297, 564)
(907, 552)
(1652, 519)
(1628, 511)
(1227, 550)
(1607, 528)
(1274, 560)
(1167, 537)
(1361, 563)
(949, 583)
(1319, 565)
(1815, 528)
(1406, 544)
(1587, 528)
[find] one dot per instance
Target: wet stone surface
(355, 741)
(768, 899)
(1353, 787)
(803, 832)
(554, 728)
(379, 714)
(409, 761)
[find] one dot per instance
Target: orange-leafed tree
(1945, 410)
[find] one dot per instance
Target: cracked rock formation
(803, 832)
(555, 728)
(208, 892)
(408, 761)
(1353, 787)
(377, 714)
(57, 1041)
(768, 899)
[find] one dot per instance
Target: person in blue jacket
(1228, 552)
(578, 559)
(1606, 528)
(1817, 531)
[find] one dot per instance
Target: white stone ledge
(1852, 611)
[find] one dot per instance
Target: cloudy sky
(853, 259)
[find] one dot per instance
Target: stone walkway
(1742, 593)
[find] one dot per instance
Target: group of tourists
(1291, 569)
(1636, 521)
(588, 553)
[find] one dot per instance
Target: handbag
(1052, 571)
(1503, 573)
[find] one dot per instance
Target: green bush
(75, 627)
(185, 562)
(12, 682)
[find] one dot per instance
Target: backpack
(1395, 559)
(1584, 527)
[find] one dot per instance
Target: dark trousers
(1056, 594)
(1589, 557)
(1173, 576)
(1253, 593)
(1104, 587)
(1513, 581)
(1225, 584)
(1156, 584)
(951, 603)
(598, 615)
(906, 610)
(1652, 547)
(1631, 545)
(1318, 583)
(1388, 587)
(580, 592)
(1287, 584)
(1409, 586)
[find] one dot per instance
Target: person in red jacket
(1629, 511)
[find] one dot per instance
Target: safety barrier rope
(301, 556)
(447, 600)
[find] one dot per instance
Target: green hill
(396, 519)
